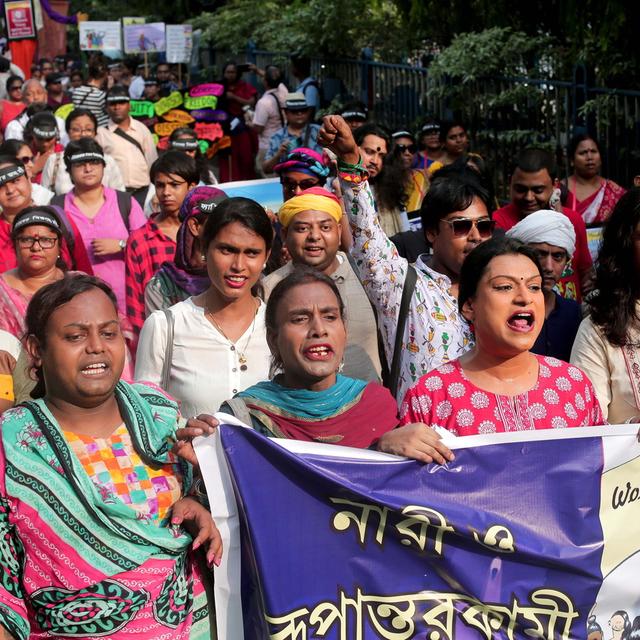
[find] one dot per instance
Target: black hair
(391, 183)
(78, 113)
(451, 189)
(593, 626)
(77, 72)
(97, 71)
(46, 300)
(11, 159)
(177, 163)
(131, 64)
(36, 107)
(479, 166)
(478, 259)
(10, 80)
(302, 274)
(372, 129)
(227, 64)
(202, 163)
(84, 145)
(613, 307)
(12, 147)
(302, 65)
(447, 125)
(534, 160)
(572, 147)
(243, 210)
(272, 76)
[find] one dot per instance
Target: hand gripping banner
(525, 535)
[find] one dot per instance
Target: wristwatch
(122, 244)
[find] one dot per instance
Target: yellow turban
(314, 199)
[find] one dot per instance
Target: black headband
(189, 145)
(354, 114)
(86, 156)
(42, 218)
(45, 133)
(13, 172)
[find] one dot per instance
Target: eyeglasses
(411, 148)
(45, 242)
(461, 227)
(16, 87)
(26, 159)
(291, 185)
(84, 132)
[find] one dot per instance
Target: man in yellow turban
(311, 232)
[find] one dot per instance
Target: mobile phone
(243, 68)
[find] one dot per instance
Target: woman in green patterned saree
(92, 500)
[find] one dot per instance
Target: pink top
(562, 397)
(107, 223)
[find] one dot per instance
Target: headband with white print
(86, 156)
(12, 172)
(188, 145)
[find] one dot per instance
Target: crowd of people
(389, 300)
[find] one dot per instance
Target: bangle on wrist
(355, 173)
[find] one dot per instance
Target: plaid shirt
(147, 248)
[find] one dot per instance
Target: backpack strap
(124, 206)
(69, 229)
(282, 120)
(407, 293)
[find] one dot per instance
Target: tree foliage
(312, 27)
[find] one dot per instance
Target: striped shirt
(92, 99)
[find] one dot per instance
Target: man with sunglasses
(455, 220)
(298, 132)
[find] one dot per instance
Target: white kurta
(205, 367)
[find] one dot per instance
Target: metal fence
(503, 115)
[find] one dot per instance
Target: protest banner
(100, 36)
(179, 42)
(144, 38)
(523, 535)
(173, 100)
(19, 18)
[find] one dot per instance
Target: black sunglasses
(411, 148)
(461, 227)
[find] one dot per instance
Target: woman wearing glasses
(22, 152)
(13, 106)
(80, 123)
(36, 235)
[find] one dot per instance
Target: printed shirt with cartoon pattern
(562, 397)
(434, 332)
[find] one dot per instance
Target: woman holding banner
(308, 399)
(92, 501)
(501, 295)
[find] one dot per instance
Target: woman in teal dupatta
(308, 399)
(92, 500)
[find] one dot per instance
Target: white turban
(546, 226)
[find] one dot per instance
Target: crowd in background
(389, 301)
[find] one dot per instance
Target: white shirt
(269, 115)
(55, 166)
(205, 367)
(136, 88)
(15, 129)
(41, 195)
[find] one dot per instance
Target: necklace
(242, 358)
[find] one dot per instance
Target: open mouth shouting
(319, 352)
(95, 369)
(522, 322)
